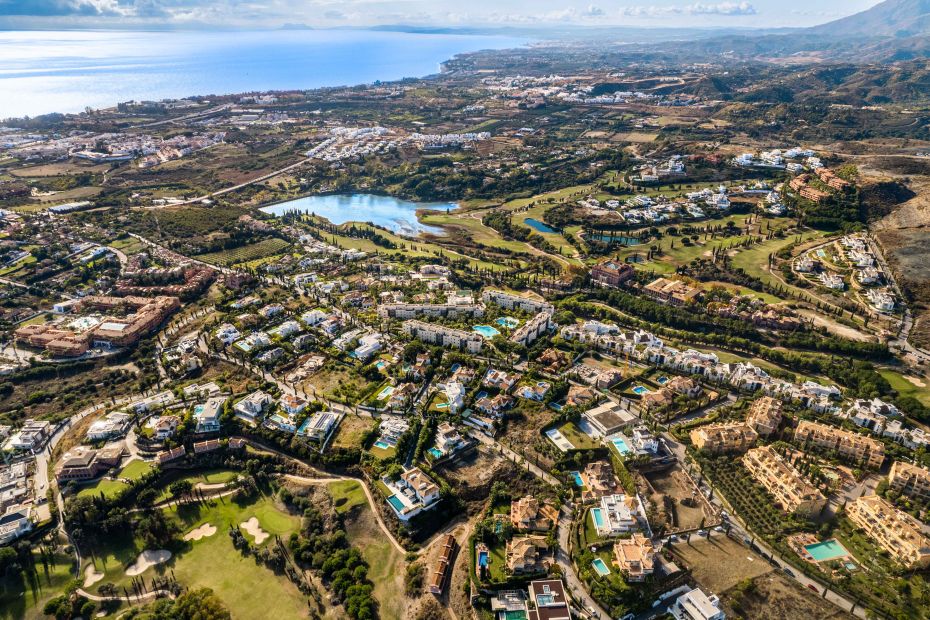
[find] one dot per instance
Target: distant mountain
(892, 18)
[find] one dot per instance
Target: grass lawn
(382, 453)
(580, 440)
(350, 432)
(135, 470)
(109, 488)
(347, 494)
(498, 562)
(904, 387)
(386, 564)
(209, 476)
(248, 589)
(24, 598)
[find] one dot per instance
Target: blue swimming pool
(826, 550)
(455, 367)
(442, 405)
(640, 390)
(621, 446)
(577, 476)
(483, 559)
(600, 567)
(436, 452)
(396, 503)
(507, 321)
(382, 445)
(485, 331)
(597, 517)
(662, 380)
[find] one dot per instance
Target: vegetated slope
(892, 18)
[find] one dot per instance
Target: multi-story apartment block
(723, 438)
(509, 301)
(791, 491)
(410, 311)
(910, 480)
(893, 530)
(444, 336)
(527, 333)
(765, 416)
(850, 446)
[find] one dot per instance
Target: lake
(66, 71)
(540, 226)
(394, 214)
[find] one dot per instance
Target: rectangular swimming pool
(600, 567)
(597, 517)
(640, 390)
(382, 445)
(396, 503)
(620, 445)
(436, 452)
(826, 550)
(577, 477)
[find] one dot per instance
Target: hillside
(892, 18)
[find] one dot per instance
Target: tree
(199, 604)
(181, 488)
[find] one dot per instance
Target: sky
(129, 14)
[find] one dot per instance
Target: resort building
(608, 418)
(723, 438)
(208, 414)
(791, 491)
(443, 567)
(909, 480)
(444, 336)
(765, 416)
(412, 311)
(253, 406)
(510, 301)
(598, 480)
(413, 493)
(635, 557)
(671, 291)
(619, 514)
(82, 463)
(530, 331)
(895, 531)
(112, 425)
(523, 554)
(319, 426)
(30, 436)
(696, 605)
(549, 601)
(851, 446)
(611, 273)
(528, 514)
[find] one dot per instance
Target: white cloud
(720, 8)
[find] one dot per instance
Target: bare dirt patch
(775, 597)
(673, 495)
(719, 563)
(254, 529)
(204, 531)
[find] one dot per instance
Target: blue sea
(67, 71)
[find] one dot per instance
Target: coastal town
(527, 339)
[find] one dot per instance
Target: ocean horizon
(68, 71)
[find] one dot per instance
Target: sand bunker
(255, 530)
(916, 381)
(146, 559)
(203, 531)
(91, 576)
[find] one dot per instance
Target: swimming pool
(577, 476)
(826, 550)
(442, 405)
(396, 503)
(485, 331)
(600, 567)
(384, 393)
(662, 380)
(620, 445)
(640, 390)
(507, 321)
(436, 452)
(597, 517)
(821, 254)
(380, 364)
(455, 367)
(483, 559)
(382, 445)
